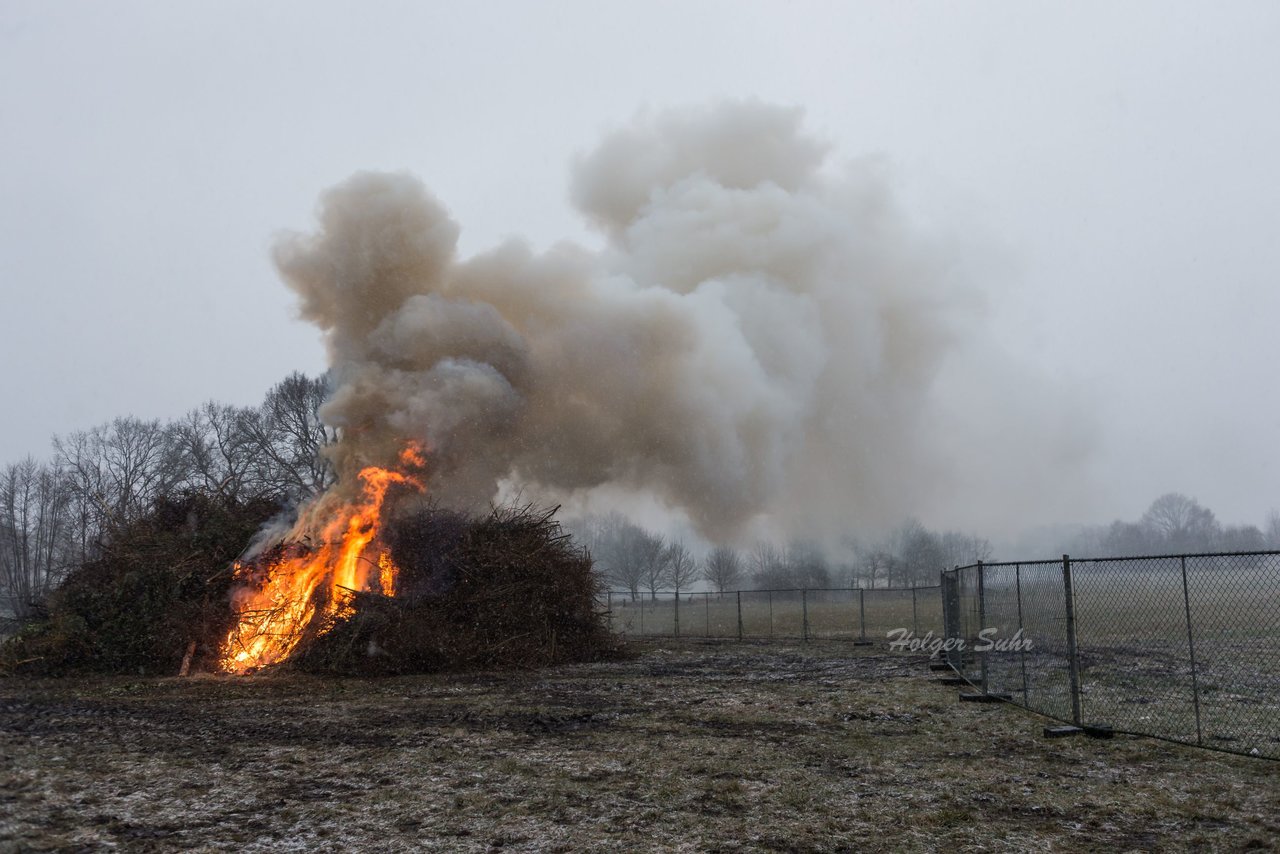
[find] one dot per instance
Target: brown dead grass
(696, 746)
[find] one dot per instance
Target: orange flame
(272, 619)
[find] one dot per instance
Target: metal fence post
(1191, 650)
(804, 615)
(641, 616)
(945, 584)
(706, 604)
(677, 615)
(982, 620)
(1073, 661)
(609, 608)
(739, 615)
(915, 618)
(862, 614)
(1022, 646)
(771, 615)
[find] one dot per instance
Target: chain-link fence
(857, 614)
(1182, 647)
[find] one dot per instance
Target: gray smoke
(755, 347)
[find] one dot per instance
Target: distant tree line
(635, 559)
(56, 514)
(643, 562)
(913, 556)
(1174, 523)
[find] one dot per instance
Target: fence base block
(864, 643)
(951, 680)
(1098, 731)
(936, 666)
(985, 698)
(1062, 731)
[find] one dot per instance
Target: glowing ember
(273, 617)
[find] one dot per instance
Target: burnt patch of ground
(695, 746)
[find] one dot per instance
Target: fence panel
(647, 615)
(1234, 607)
(792, 614)
(1000, 623)
(886, 609)
(1044, 621)
(833, 614)
(1183, 647)
(968, 623)
(1133, 652)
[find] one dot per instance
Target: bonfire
(372, 577)
(296, 587)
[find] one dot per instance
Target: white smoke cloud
(756, 345)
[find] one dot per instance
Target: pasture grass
(689, 745)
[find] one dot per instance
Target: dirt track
(689, 746)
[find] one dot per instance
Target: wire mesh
(1182, 647)
(855, 614)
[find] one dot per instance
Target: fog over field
(749, 269)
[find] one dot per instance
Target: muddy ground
(687, 746)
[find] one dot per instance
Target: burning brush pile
(501, 591)
(386, 583)
(417, 589)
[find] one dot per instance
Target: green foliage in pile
(159, 585)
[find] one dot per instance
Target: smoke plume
(756, 344)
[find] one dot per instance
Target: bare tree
(722, 569)
(1272, 530)
(919, 554)
(631, 557)
(679, 568)
(218, 455)
(75, 455)
(960, 549)
(598, 534)
(1127, 538)
(769, 566)
(872, 562)
(34, 525)
(807, 565)
(887, 563)
(142, 463)
(115, 472)
(1241, 538)
(649, 552)
(1176, 521)
(288, 437)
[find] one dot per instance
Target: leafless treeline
(641, 561)
(1173, 524)
(55, 513)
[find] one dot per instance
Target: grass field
(689, 745)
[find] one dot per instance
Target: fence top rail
(1116, 559)
(1001, 564)
(1178, 556)
(643, 593)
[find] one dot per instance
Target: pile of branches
(509, 590)
(155, 601)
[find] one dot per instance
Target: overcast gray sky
(1111, 168)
